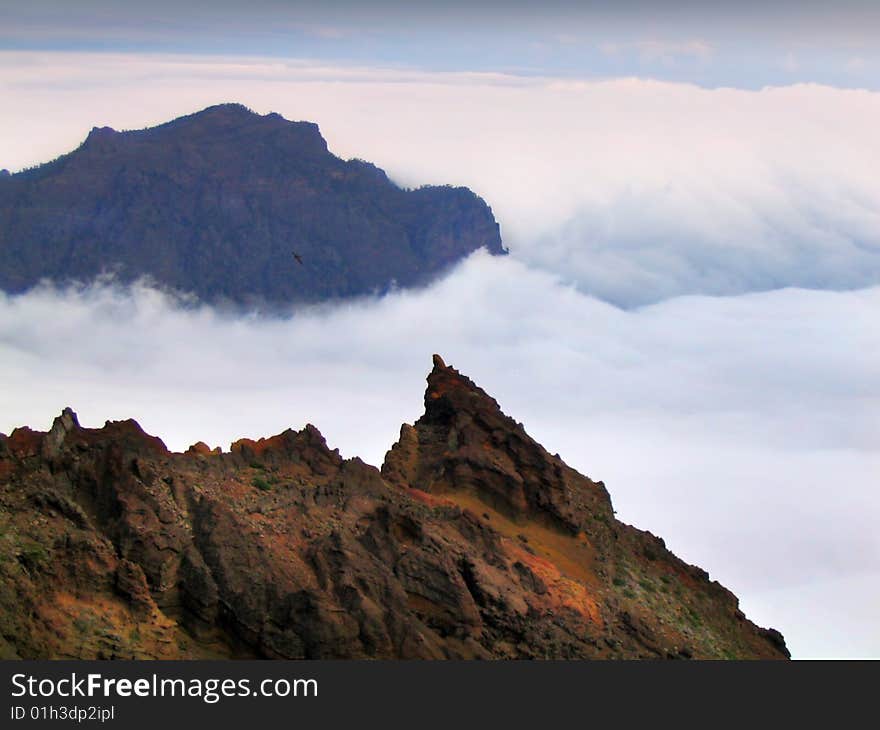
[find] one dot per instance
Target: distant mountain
(231, 205)
(471, 542)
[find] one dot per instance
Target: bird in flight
(298, 258)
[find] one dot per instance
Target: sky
(744, 44)
(690, 201)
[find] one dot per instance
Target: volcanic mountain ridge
(471, 542)
(233, 207)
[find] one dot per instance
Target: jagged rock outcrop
(218, 202)
(472, 542)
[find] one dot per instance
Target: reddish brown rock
(132, 584)
(200, 448)
(472, 542)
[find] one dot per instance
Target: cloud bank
(744, 430)
(632, 190)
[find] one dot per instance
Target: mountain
(217, 203)
(471, 542)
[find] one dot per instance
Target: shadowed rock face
(218, 202)
(471, 542)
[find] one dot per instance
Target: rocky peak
(98, 135)
(61, 426)
(464, 442)
(229, 110)
(221, 120)
(307, 446)
(451, 392)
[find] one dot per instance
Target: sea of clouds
(688, 311)
(743, 430)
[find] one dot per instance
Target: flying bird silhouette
(298, 258)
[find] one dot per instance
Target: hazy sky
(743, 44)
(692, 205)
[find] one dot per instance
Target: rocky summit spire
(465, 441)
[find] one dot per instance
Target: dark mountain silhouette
(471, 542)
(214, 203)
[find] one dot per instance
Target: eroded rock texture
(472, 542)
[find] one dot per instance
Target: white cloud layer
(744, 430)
(633, 190)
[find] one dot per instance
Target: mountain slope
(217, 203)
(472, 542)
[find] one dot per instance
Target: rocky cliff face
(218, 202)
(472, 542)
